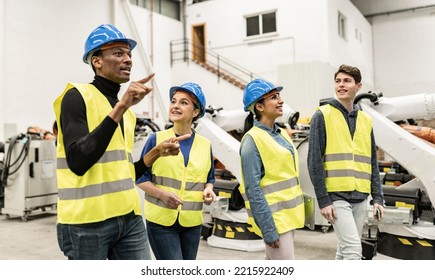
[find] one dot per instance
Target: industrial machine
(408, 230)
(28, 177)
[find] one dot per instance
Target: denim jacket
(253, 171)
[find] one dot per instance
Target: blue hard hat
(255, 90)
(103, 34)
(192, 89)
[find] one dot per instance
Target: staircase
(232, 79)
(185, 51)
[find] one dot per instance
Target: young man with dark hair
(342, 163)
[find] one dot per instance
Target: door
(198, 43)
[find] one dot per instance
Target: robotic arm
(416, 155)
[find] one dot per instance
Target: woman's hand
(208, 195)
(170, 199)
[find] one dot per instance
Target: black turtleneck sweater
(83, 148)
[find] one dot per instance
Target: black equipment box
(230, 189)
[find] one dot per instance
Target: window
(252, 26)
(260, 24)
(341, 25)
(170, 8)
(141, 3)
(358, 35)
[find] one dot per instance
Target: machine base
(406, 248)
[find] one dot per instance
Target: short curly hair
(349, 70)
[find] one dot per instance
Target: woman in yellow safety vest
(270, 172)
(176, 187)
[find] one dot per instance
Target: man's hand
(136, 91)
(169, 147)
(377, 207)
(329, 213)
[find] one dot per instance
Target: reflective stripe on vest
(107, 189)
(107, 157)
(347, 161)
(280, 184)
(176, 185)
(188, 183)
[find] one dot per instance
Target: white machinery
(28, 176)
(400, 234)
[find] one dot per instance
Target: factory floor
(35, 239)
(29, 250)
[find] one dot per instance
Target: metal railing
(183, 50)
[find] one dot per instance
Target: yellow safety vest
(188, 183)
(347, 161)
(280, 184)
(107, 189)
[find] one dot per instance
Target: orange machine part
(422, 132)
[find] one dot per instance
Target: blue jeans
(174, 242)
(119, 238)
(348, 227)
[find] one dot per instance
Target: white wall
(308, 81)
(357, 48)
(218, 93)
(2, 136)
(157, 47)
(403, 45)
(299, 36)
(42, 44)
(403, 52)
(368, 7)
(304, 52)
(305, 84)
(42, 51)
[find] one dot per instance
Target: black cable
(154, 127)
(140, 122)
(20, 159)
(372, 96)
(26, 148)
(303, 141)
(6, 164)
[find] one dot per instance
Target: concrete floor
(35, 239)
